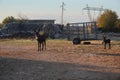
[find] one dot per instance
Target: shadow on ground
(21, 69)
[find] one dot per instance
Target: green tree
(8, 20)
(107, 20)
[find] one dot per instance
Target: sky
(51, 9)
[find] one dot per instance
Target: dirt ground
(20, 60)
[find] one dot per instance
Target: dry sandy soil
(20, 60)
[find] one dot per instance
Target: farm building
(28, 26)
(40, 21)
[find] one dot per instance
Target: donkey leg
(104, 45)
(40, 46)
(43, 46)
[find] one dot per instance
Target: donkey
(41, 39)
(106, 41)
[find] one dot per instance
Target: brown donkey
(41, 39)
(106, 41)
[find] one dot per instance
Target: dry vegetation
(19, 60)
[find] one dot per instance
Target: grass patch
(16, 41)
(55, 42)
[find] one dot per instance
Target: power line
(93, 9)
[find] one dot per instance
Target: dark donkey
(106, 41)
(41, 39)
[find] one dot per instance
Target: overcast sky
(50, 9)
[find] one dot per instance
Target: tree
(1, 25)
(8, 19)
(22, 18)
(117, 25)
(107, 20)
